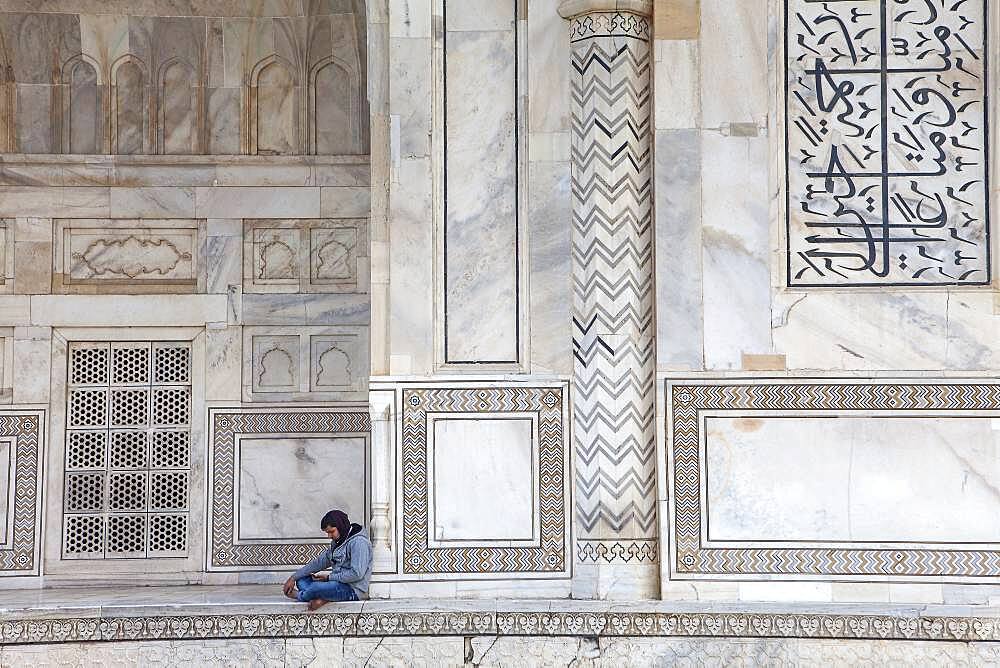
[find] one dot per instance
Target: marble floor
(268, 599)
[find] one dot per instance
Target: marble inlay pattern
(617, 551)
(691, 558)
(526, 623)
(548, 404)
(613, 339)
(20, 541)
(227, 425)
(886, 131)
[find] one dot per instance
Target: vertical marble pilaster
(613, 336)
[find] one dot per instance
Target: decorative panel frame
(129, 256)
(548, 403)
(690, 401)
(23, 432)
(128, 570)
(225, 551)
(450, 271)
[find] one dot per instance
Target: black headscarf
(339, 519)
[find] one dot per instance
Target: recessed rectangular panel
(6, 489)
(853, 479)
(287, 484)
(481, 182)
(483, 480)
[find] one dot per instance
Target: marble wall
(777, 148)
(364, 220)
(80, 79)
(194, 178)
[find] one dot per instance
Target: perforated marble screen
(128, 450)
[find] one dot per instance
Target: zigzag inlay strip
(547, 403)
(613, 347)
(689, 401)
(225, 425)
(25, 429)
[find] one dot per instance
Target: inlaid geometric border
(548, 403)
(691, 559)
(641, 624)
(22, 557)
(224, 553)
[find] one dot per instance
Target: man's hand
(322, 577)
(289, 587)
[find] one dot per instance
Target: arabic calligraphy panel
(886, 135)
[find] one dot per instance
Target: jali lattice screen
(128, 451)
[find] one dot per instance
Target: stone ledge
(183, 613)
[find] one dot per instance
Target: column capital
(569, 9)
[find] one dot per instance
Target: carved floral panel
(128, 256)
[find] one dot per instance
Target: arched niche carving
(179, 102)
(334, 109)
(84, 104)
(130, 106)
(274, 108)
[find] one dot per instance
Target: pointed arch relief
(130, 106)
(179, 101)
(84, 104)
(277, 260)
(334, 369)
(277, 369)
(274, 108)
(334, 109)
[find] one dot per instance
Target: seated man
(349, 559)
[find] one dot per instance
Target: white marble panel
(411, 295)
(944, 331)
(481, 188)
(550, 222)
(734, 61)
(735, 245)
(548, 68)
(676, 81)
(287, 484)
(679, 316)
(137, 311)
(237, 202)
(853, 479)
(410, 94)
(478, 15)
(483, 480)
(6, 489)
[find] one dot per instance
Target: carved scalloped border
(604, 624)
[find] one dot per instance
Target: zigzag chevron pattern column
(614, 373)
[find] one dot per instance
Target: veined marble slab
(481, 183)
(853, 479)
(483, 479)
(287, 484)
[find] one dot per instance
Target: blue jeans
(328, 591)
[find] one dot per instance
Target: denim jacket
(350, 562)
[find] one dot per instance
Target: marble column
(613, 335)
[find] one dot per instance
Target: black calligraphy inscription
(886, 138)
